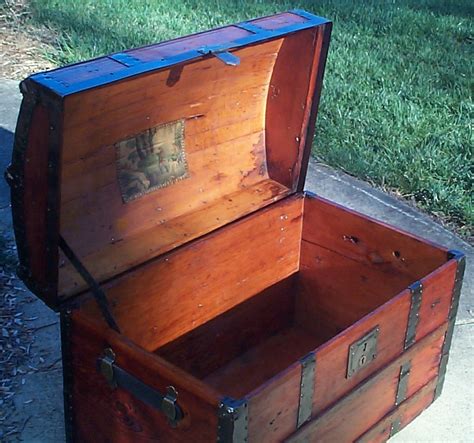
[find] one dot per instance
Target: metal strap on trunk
(96, 290)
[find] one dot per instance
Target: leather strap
(97, 291)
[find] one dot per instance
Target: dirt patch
(23, 48)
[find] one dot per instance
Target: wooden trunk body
(274, 314)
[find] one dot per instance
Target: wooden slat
(332, 357)
(372, 399)
(368, 241)
(436, 298)
(180, 291)
(101, 117)
(339, 291)
(288, 107)
(152, 242)
(273, 409)
(35, 197)
(406, 413)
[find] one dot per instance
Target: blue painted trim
(125, 59)
(250, 27)
(63, 89)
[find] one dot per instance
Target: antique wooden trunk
(158, 203)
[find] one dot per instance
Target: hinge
(416, 290)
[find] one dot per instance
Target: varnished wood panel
(35, 196)
(406, 413)
(273, 409)
(368, 241)
(369, 402)
(257, 365)
(213, 98)
(182, 290)
(428, 359)
(102, 414)
(287, 107)
(332, 357)
(337, 291)
(172, 234)
(436, 298)
(212, 345)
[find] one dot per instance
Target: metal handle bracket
(117, 377)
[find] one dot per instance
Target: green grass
(397, 103)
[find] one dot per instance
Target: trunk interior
(240, 305)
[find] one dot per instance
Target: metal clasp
(223, 55)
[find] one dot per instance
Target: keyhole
(365, 347)
(362, 360)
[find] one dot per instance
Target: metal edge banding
(232, 421)
(395, 427)
(55, 113)
(308, 369)
(416, 290)
(62, 90)
(124, 59)
(403, 382)
(250, 27)
(15, 173)
(448, 338)
(65, 319)
(302, 13)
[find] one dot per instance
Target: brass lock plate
(362, 352)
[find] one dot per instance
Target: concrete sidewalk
(450, 419)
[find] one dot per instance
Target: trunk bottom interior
(246, 346)
(241, 349)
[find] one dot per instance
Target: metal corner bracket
(232, 423)
(448, 338)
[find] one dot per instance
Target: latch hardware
(224, 56)
(117, 377)
(362, 352)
